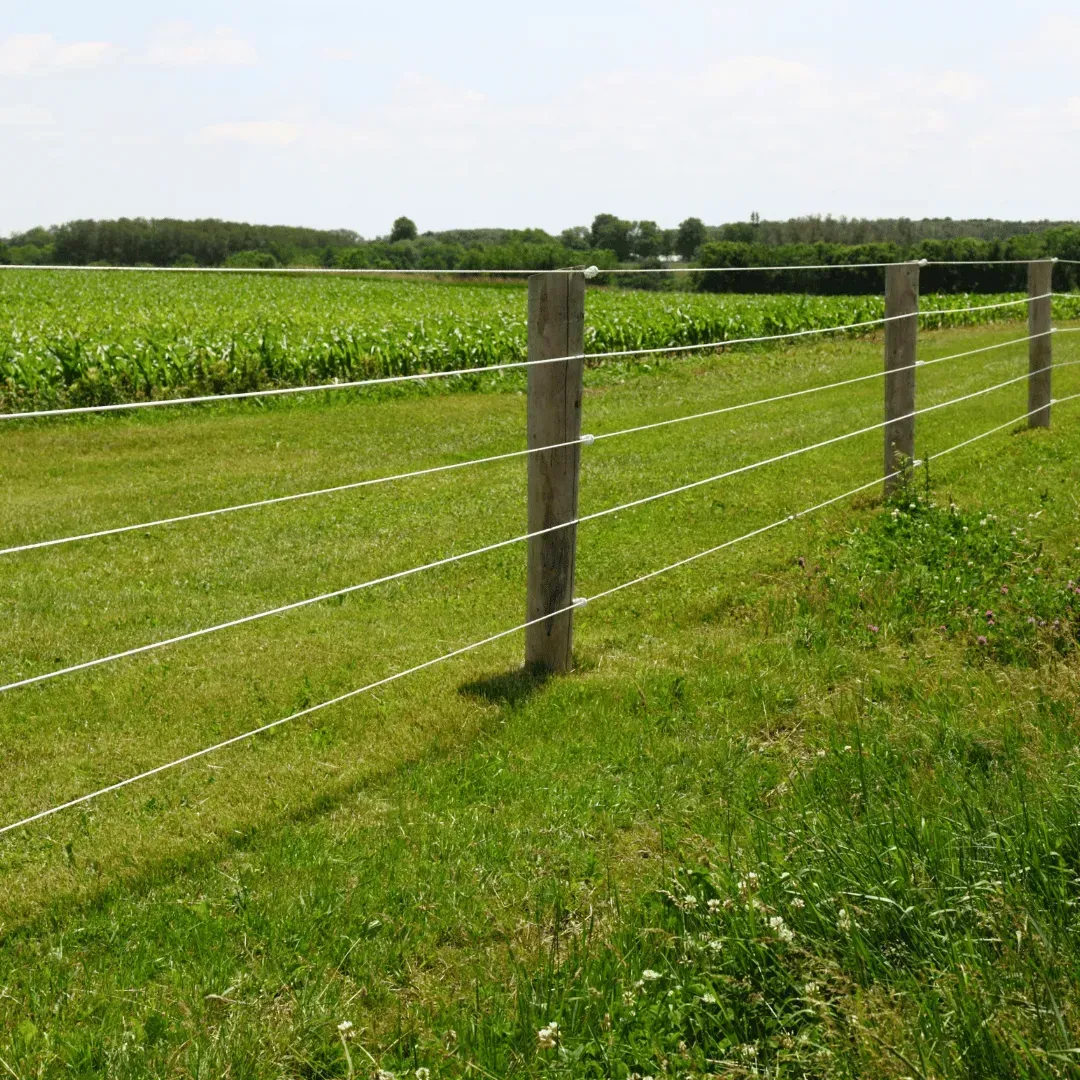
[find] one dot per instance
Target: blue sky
(474, 114)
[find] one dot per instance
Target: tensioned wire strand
(450, 559)
(584, 440)
(593, 270)
(244, 736)
(423, 376)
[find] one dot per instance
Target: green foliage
(403, 229)
(1063, 243)
(690, 237)
(250, 260)
(90, 339)
(613, 234)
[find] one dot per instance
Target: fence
(555, 366)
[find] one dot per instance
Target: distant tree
(611, 233)
(647, 240)
(404, 229)
(690, 237)
(577, 238)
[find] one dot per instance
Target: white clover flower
(345, 1026)
(821, 753)
(628, 998)
(690, 902)
(423, 1073)
(548, 1037)
(714, 905)
(708, 999)
(843, 920)
(781, 929)
(648, 975)
(382, 1074)
(798, 903)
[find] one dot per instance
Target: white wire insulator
(450, 559)
(579, 602)
(591, 272)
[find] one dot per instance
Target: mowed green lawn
(456, 860)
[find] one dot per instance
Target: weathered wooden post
(556, 329)
(901, 339)
(1040, 347)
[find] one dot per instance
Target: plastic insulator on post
(587, 440)
(924, 262)
(580, 601)
(591, 272)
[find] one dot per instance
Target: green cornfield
(71, 338)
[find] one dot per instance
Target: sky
(479, 114)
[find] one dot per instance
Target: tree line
(610, 243)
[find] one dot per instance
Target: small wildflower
(628, 998)
(689, 902)
(714, 905)
(847, 749)
(872, 628)
(650, 976)
(423, 1073)
(781, 929)
(1004, 590)
(981, 639)
(708, 999)
(382, 1074)
(548, 1037)
(798, 903)
(843, 920)
(821, 753)
(989, 613)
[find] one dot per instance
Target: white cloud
(34, 54)
(1072, 112)
(24, 116)
(953, 86)
(253, 132)
(177, 44)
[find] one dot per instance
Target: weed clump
(919, 567)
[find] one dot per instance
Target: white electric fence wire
(244, 736)
(423, 376)
(450, 559)
(501, 457)
(354, 485)
(674, 268)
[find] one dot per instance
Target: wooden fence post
(901, 338)
(556, 328)
(1040, 349)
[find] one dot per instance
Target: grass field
(804, 809)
